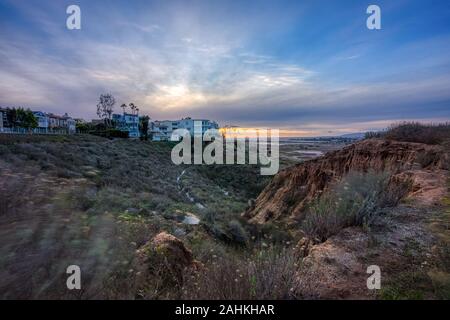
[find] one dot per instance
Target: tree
(134, 108)
(105, 108)
(124, 107)
(11, 117)
(143, 126)
(21, 118)
(27, 119)
(83, 127)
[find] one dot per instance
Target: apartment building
(47, 123)
(162, 130)
(61, 122)
(127, 122)
(42, 119)
(2, 117)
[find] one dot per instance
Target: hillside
(142, 228)
(293, 188)
(92, 201)
(377, 202)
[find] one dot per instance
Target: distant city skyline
(306, 67)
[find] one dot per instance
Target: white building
(55, 122)
(70, 123)
(127, 122)
(43, 121)
(2, 117)
(47, 123)
(162, 130)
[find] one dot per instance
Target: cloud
(352, 57)
(197, 61)
(151, 28)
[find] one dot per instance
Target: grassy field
(91, 201)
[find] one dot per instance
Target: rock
(170, 248)
(179, 232)
(132, 210)
(333, 269)
(91, 174)
(164, 255)
(162, 260)
(143, 212)
(190, 218)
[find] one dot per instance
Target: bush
(266, 274)
(426, 159)
(416, 132)
(111, 133)
(270, 232)
(237, 232)
(355, 201)
(12, 195)
(373, 134)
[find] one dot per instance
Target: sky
(305, 67)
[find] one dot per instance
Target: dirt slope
(401, 243)
(292, 188)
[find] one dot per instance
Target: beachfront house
(54, 121)
(162, 130)
(127, 122)
(65, 123)
(2, 118)
(46, 123)
(69, 123)
(42, 119)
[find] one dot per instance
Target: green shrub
(237, 232)
(269, 232)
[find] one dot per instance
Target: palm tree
(132, 107)
(123, 106)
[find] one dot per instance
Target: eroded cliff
(293, 188)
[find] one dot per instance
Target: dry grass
(354, 201)
(417, 132)
(266, 274)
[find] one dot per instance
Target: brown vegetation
(414, 132)
(93, 202)
(116, 208)
(292, 189)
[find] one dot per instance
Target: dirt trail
(192, 219)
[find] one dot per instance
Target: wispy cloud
(196, 60)
(151, 28)
(352, 57)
